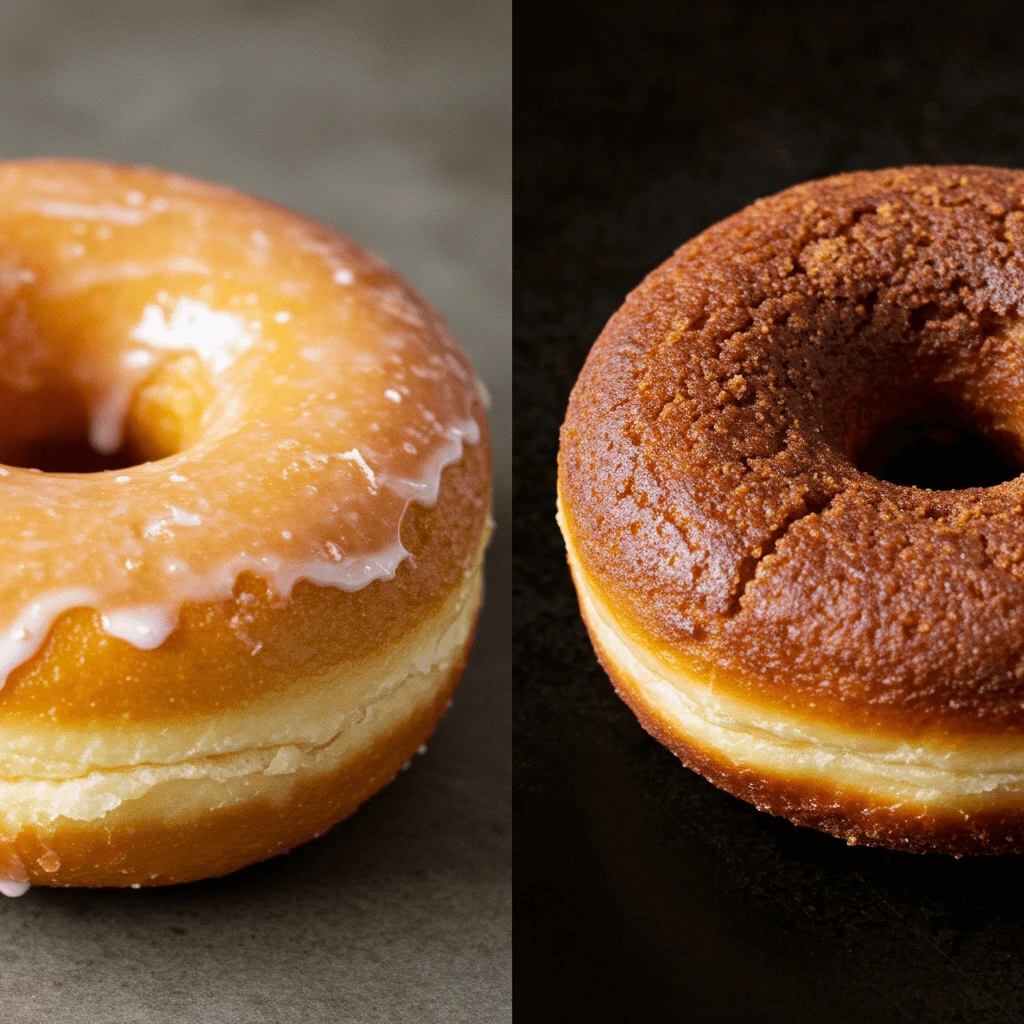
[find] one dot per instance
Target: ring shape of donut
(254, 606)
(838, 649)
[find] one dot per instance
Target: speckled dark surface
(390, 121)
(641, 891)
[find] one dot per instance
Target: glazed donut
(839, 649)
(245, 493)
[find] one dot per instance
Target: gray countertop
(390, 121)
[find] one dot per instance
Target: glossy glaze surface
(294, 394)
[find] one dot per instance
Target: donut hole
(72, 455)
(944, 410)
(941, 453)
(47, 427)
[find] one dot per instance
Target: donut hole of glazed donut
(47, 427)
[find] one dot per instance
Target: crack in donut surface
(709, 460)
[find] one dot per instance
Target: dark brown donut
(861, 643)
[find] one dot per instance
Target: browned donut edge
(123, 851)
(845, 814)
(761, 592)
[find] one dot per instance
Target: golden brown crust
(708, 457)
(123, 849)
(129, 299)
(985, 822)
(206, 666)
(843, 813)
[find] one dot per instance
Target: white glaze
(336, 407)
(13, 887)
(144, 626)
(356, 456)
(108, 212)
(218, 338)
(23, 637)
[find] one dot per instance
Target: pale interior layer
(337, 716)
(978, 772)
(188, 789)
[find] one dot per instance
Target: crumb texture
(709, 458)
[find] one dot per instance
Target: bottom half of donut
(962, 796)
(190, 817)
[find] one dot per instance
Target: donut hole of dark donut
(941, 404)
(940, 453)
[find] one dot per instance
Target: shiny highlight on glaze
(253, 357)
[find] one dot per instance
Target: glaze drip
(291, 393)
(13, 887)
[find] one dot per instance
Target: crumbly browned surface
(708, 457)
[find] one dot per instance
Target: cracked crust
(709, 457)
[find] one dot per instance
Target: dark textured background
(390, 120)
(641, 891)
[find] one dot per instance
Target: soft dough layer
(174, 813)
(858, 786)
